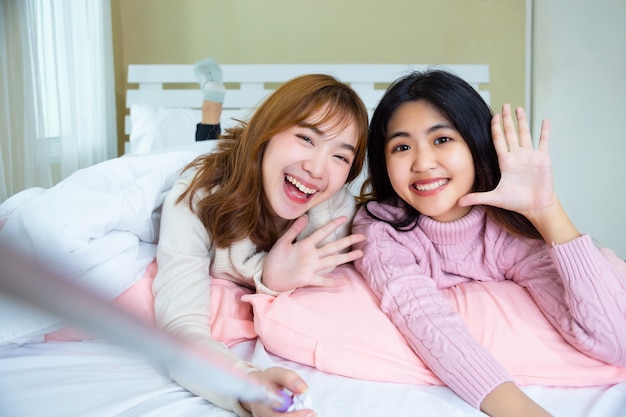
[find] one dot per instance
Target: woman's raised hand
(290, 264)
(526, 184)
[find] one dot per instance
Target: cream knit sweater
(187, 262)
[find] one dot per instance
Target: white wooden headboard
(175, 87)
(247, 84)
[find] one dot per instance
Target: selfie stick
(30, 283)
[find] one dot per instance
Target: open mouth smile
(300, 187)
(431, 186)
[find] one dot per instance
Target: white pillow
(158, 128)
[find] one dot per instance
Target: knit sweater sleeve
(394, 266)
(181, 290)
(582, 292)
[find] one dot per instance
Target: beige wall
(324, 31)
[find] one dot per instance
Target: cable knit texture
(187, 261)
(580, 289)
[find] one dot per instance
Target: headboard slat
(174, 85)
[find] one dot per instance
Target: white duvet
(97, 228)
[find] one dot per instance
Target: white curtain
(57, 112)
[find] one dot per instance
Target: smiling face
(305, 165)
(429, 163)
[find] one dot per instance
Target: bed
(99, 229)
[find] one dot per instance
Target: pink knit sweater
(578, 288)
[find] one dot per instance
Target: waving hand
(526, 184)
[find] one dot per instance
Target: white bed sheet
(64, 379)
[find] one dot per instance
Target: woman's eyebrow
(440, 126)
(433, 128)
(318, 131)
(399, 133)
(349, 147)
(310, 126)
(396, 134)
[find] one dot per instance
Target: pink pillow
(231, 318)
(342, 331)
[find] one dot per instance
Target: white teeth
(300, 186)
(431, 186)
